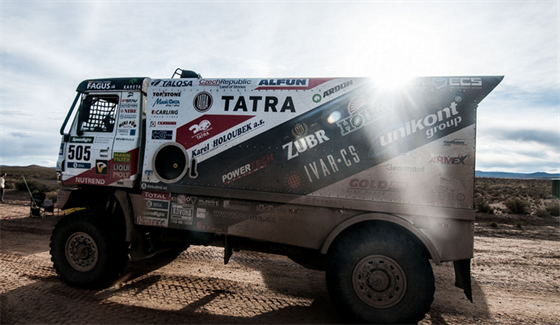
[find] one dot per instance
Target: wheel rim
(81, 252)
(379, 281)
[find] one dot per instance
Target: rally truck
(369, 182)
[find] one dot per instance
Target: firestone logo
(166, 94)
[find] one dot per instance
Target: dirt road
(516, 280)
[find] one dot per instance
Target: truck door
(90, 146)
(123, 169)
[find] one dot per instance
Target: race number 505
(79, 152)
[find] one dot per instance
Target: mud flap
(463, 276)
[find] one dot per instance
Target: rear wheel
(87, 251)
(379, 275)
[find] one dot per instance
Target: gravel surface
(515, 271)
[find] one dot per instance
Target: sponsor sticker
(102, 140)
(459, 160)
(121, 157)
(167, 103)
(154, 187)
(284, 82)
(337, 88)
(78, 165)
(446, 118)
(380, 189)
(128, 124)
(132, 85)
(90, 181)
(208, 202)
(247, 169)
(148, 175)
(201, 130)
(446, 189)
(294, 148)
(237, 205)
(120, 171)
(156, 195)
(128, 112)
(200, 213)
(361, 115)
(81, 139)
(164, 113)
(294, 181)
(458, 82)
(454, 142)
(165, 94)
(129, 105)
(158, 222)
(162, 123)
(171, 83)
(225, 83)
(202, 102)
(101, 167)
(182, 209)
(331, 164)
(182, 214)
(378, 185)
(158, 205)
(100, 85)
(162, 134)
(407, 169)
(265, 104)
(264, 207)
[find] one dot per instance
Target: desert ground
(515, 274)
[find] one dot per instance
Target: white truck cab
(102, 144)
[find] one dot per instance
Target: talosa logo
(171, 83)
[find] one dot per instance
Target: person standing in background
(2, 186)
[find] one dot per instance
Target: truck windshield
(97, 113)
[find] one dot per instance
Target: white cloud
(48, 47)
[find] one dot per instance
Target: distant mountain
(479, 173)
(30, 166)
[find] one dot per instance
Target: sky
(48, 47)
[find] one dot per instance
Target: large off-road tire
(379, 275)
(87, 250)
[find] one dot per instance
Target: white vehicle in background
(338, 174)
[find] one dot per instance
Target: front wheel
(378, 275)
(87, 251)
